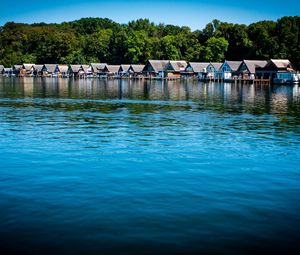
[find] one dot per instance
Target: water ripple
(214, 170)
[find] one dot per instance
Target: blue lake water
(136, 167)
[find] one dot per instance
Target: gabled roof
(28, 67)
(253, 64)
(86, 68)
(198, 66)
(177, 66)
(98, 66)
(75, 68)
(111, 68)
(50, 68)
(281, 63)
(137, 68)
(1, 68)
(17, 67)
(234, 65)
(63, 68)
(157, 65)
(216, 65)
(38, 68)
(124, 68)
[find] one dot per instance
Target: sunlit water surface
(135, 167)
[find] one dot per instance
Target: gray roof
(157, 65)
(234, 65)
(38, 68)
(1, 68)
(8, 69)
(253, 64)
(112, 68)
(28, 67)
(198, 67)
(50, 68)
(63, 68)
(86, 68)
(281, 63)
(177, 66)
(124, 68)
(98, 66)
(216, 65)
(17, 67)
(137, 68)
(75, 68)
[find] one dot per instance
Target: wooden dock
(256, 81)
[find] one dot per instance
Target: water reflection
(226, 97)
(148, 167)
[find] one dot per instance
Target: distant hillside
(102, 40)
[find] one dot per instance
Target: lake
(148, 167)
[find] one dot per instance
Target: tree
(215, 49)
(168, 49)
(96, 45)
(117, 46)
(264, 39)
(103, 40)
(136, 45)
(209, 31)
(240, 46)
(288, 32)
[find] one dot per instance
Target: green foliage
(209, 31)
(96, 45)
(136, 47)
(103, 40)
(215, 49)
(240, 46)
(168, 49)
(263, 36)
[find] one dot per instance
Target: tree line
(91, 40)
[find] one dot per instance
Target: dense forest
(102, 40)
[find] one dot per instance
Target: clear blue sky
(192, 13)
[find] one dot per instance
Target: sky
(192, 13)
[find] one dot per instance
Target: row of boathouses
(276, 70)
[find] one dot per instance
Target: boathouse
(275, 66)
(17, 69)
(97, 68)
(196, 69)
(27, 70)
(280, 71)
(155, 68)
(213, 69)
(229, 70)
(123, 70)
(76, 71)
(136, 71)
(38, 70)
(49, 70)
(173, 69)
(249, 69)
(62, 70)
(110, 71)
(87, 69)
(8, 72)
